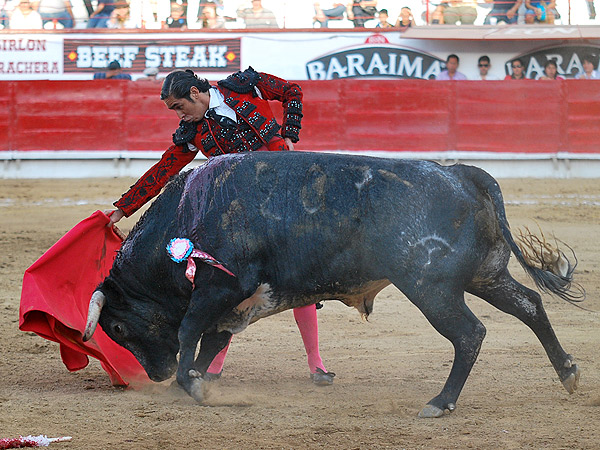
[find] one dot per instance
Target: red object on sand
(56, 294)
(31, 441)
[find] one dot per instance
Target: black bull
(299, 228)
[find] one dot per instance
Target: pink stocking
(306, 319)
(216, 366)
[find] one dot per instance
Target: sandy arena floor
(388, 368)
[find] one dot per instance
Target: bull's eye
(118, 329)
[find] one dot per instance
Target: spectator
(437, 15)
(451, 72)
(518, 70)
(257, 16)
(506, 11)
(113, 72)
(484, 66)
(383, 17)
(119, 18)
(209, 18)
(361, 11)
(150, 74)
(405, 19)
(588, 69)
(4, 14)
(551, 71)
(332, 10)
(55, 11)
(24, 17)
(540, 12)
(464, 12)
(99, 18)
(176, 19)
(591, 9)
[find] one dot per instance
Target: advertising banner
(135, 55)
(297, 55)
(31, 57)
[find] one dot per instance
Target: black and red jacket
(256, 129)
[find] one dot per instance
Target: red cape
(56, 294)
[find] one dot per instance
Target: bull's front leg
(203, 312)
(189, 335)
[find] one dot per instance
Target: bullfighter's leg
(213, 350)
(306, 319)
(513, 298)
(445, 309)
(216, 366)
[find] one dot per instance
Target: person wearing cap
(232, 117)
(150, 74)
(114, 72)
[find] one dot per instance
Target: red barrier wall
(406, 115)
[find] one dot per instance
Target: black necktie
(223, 121)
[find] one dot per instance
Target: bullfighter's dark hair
(179, 82)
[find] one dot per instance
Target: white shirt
(488, 78)
(595, 75)
(217, 102)
(20, 21)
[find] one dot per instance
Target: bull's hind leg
(513, 298)
(450, 316)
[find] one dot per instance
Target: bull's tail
(549, 267)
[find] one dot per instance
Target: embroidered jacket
(256, 129)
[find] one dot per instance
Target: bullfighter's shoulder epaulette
(241, 82)
(186, 132)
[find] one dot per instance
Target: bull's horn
(96, 303)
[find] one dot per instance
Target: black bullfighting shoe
(322, 378)
(212, 376)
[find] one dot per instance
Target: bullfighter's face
(189, 110)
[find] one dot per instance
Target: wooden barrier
(354, 115)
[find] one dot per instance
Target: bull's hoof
(197, 389)
(432, 412)
(196, 386)
(571, 383)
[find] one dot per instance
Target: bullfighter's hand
(289, 143)
(115, 215)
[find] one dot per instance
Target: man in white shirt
(24, 17)
(484, 65)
